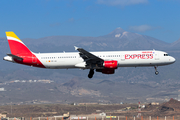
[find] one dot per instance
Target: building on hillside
(73, 103)
(98, 111)
(143, 106)
(102, 114)
(87, 103)
(178, 95)
(2, 115)
(154, 103)
(2, 89)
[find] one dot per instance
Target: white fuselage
(124, 58)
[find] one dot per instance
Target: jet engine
(109, 67)
(110, 64)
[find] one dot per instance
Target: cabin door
(122, 57)
(156, 56)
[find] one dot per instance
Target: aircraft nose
(173, 59)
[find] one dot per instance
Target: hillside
(170, 108)
(45, 110)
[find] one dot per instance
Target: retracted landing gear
(156, 72)
(91, 73)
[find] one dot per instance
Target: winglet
(75, 47)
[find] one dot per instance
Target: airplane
(105, 62)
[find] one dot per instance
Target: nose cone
(172, 59)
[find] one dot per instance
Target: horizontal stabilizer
(16, 57)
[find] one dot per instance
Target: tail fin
(17, 47)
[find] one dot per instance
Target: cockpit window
(166, 55)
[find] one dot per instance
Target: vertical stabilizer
(17, 47)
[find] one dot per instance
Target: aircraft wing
(87, 56)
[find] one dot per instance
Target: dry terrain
(169, 109)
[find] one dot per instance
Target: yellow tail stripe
(12, 34)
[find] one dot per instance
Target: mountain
(175, 45)
(120, 39)
(118, 32)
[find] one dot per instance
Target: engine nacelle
(108, 71)
(110, 64)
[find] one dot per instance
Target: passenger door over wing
(122, 57)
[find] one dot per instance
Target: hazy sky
(40, 18)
